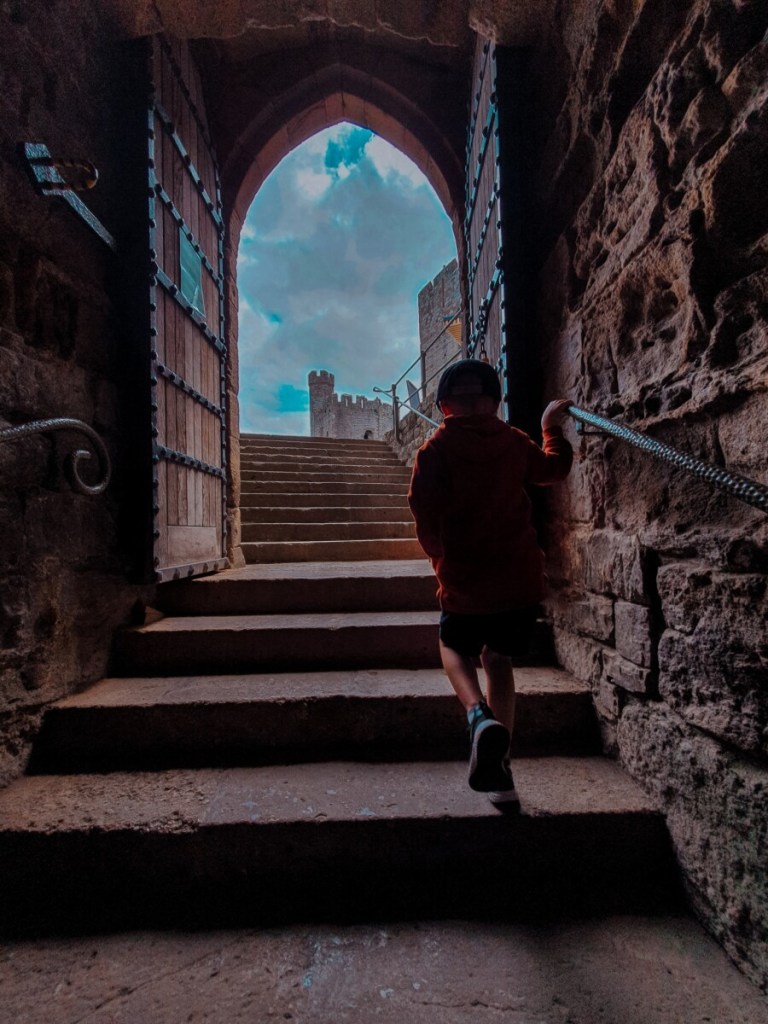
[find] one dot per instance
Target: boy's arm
(424, 500)
(553, 461)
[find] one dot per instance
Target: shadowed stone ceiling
(276, 71)
(271, 24)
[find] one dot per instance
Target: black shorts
(508, 633)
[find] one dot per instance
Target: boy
(473, 520)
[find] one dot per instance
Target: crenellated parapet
(345, 416)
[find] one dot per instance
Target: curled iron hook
(75, 459)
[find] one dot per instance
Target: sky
(337, 244)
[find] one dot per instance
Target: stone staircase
(318, 499)
(282, 745)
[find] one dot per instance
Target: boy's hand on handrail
(555, 413)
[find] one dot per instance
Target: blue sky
(337, 244)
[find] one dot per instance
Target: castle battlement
(347, 416)
(321, 377)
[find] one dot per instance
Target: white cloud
(390, 161)
(329, 275)
(313, 184)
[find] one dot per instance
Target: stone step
(307, 459)
(308, 439)
(288, 531)
(326, 514)
(311, 488)
(250, 442)
(269, 499)
(382, 715)
(254, 845)
(400, 585)
(330, 550)
(332, 475)
(278, 643)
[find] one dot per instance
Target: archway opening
(337, 244)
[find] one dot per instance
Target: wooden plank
(190, 520)
(192, 543)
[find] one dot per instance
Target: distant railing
(397, 402)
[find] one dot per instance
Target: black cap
(469, 377)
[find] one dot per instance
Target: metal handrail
(437, 337)
(741, 487)
(423, 416)
(75, 458)
(397, 403)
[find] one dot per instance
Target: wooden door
(186, 322)
(500, 265)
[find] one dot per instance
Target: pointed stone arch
(265, 110)
(324, 97)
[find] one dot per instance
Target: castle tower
(321, 385)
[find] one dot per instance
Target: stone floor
(618, 970)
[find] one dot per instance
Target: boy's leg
(501, 695)
(462, 676)
(489, 737)
(501, 685)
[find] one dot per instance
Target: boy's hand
(555, 413)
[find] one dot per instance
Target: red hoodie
(473, 517)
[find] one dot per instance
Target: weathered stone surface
(673, 971)
(713, 657)
(634, 639)
(656, 313)
(17, 732)
(589, 615)
(63, 589)
(610, 700)
(609, 562)
(625, 674)
(717, 811)
(580, 656)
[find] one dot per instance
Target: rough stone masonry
(654, 309)
(650, 247)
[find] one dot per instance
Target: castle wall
(440, 299)
(64, 583)
(343, 416)
(652, 230)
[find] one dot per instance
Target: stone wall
(438, 300)
(332, 415)
(64, 588)
(413, 432)
(653, 213)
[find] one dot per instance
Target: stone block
(741, 435)
(622, 218)
(712, 655)
(634, 639)
(588, 615)
(610, 699)
(617, 671)
(613, 563)
(716, 805)
(579, 656)
(739, 337)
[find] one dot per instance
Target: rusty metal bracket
(48, 181)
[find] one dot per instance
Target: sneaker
(490, 746)
(505, 798)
